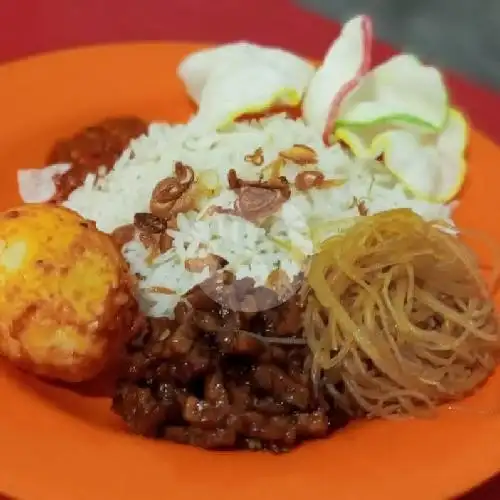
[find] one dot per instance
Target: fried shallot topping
(174, 195)
(300, 154)
(256, 158)
(258, 199)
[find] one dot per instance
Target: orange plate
(60, 444)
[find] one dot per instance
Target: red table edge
(280, 22)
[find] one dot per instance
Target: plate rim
(97, 436)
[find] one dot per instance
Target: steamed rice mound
(282, 242)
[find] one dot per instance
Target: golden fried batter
(66, 299)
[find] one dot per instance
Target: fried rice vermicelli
(398, 316)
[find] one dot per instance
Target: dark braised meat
(223, 379)
(99, 145)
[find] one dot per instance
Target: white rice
(111, 201)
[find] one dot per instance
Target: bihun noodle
(398, 316)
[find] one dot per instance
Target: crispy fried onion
(256, 158)
(170, 197)
(309, 179)
(300, 154)
(258, 199)
(153, 232)
(174, 195)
